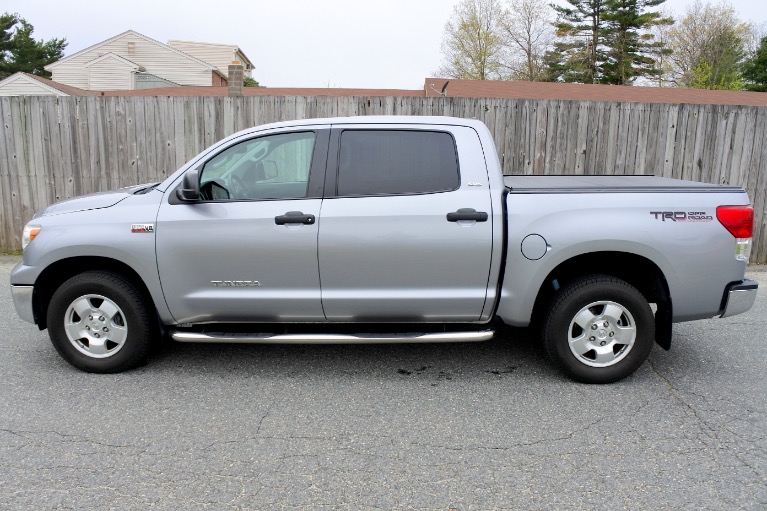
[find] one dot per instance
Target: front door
(248, 250)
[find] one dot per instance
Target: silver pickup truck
(383, 229)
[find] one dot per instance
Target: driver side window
(268, 167)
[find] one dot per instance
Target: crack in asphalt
(703, 425)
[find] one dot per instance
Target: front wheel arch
(99, 322)
(59, 272)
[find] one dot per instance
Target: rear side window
(384, 162)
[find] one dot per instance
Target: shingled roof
(263, 91)
(66, 89)
(585, 92)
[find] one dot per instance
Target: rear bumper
(739, 297)
(22, 300)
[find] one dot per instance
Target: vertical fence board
(7, 165)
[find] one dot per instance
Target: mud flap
(663, 326)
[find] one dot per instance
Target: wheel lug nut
(90, 317)
(594, 326)
(602, 343)
(106, 329)
(592, 339)
(87, 328)
(612, 334)
(96, 335)
(101, 318)
(606, 323)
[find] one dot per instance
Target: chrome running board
(396, 338)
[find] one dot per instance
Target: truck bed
(609, 184)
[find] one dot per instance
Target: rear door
(406, 227)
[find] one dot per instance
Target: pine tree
(20, 52)
(606, 41)
(579, 53)
(631, 47)
(755, 69)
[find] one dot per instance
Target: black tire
(114, 333)
(598, 329)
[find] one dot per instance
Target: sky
(392, 44)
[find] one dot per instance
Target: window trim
(334, 163)
(317, 167)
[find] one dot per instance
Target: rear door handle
(467, 214)
(294, 217)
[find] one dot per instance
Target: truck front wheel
(599, 329)
(99, 322)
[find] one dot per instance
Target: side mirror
(190, 187)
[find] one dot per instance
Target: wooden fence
(53, 148)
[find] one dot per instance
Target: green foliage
(705, 76)
(20, 52)
(709, 45)
(606, 41)
(755, 69)
(250, 82)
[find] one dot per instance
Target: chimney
(236, 74)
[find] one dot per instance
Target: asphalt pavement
(453, 426)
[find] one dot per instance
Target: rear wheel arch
(598, 329)
(638, 271)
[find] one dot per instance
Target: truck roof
(377, 119)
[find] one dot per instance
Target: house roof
(118, 58)
(49, 85)
(134, 33)
(588, 92)
(233, 47)
(263, 91)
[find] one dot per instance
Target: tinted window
(269, 167)
(380, 162)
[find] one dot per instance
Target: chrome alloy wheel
(601, 334)
(96, 326)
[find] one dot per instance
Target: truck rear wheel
(99, 322)
(599, 329)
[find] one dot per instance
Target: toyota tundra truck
(383, 230)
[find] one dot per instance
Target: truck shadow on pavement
(513, 352)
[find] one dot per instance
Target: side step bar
(412, 337)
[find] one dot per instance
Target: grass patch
(11, 253)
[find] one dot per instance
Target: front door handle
(294, 217)
(467, 214)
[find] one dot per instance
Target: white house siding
(110, 74)
(220, 55)
(155, 58)
(23, 86)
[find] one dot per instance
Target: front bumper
(22, 300)
(739, 297)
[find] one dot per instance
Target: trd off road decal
(682, 216)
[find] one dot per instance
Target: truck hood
(91, 201)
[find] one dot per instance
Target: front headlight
(30, 232)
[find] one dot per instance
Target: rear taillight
(739, 221)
